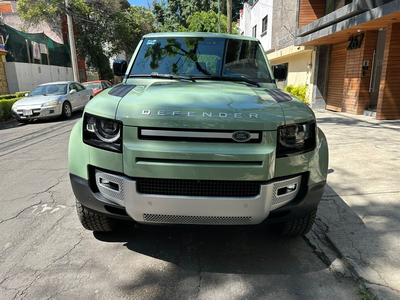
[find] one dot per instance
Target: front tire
(297, 227)
(66, 110)
(93, 221)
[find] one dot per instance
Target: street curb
(375, 290)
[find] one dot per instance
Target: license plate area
(27, 112)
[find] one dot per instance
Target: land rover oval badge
(241, 136)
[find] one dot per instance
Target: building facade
(358, 52)
(278, 40)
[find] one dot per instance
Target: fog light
(108, 184)
(287, 189)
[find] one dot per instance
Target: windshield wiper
(166, 76)
(171, 76)
(222, 78)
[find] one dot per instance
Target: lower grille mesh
(198, 188)
(196, 220)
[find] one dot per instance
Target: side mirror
(26, 94)
(119, 67)
(73, 91)
(280, 72)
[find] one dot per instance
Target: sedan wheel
(66, 110)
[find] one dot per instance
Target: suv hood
(201, 105)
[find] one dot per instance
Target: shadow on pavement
(220, 249)
(14, 123)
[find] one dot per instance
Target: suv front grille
(203, 136)
(198, 188)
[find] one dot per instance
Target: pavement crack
(23, 293)
(32, 205)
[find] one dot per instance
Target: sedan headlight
(296, 139)
(51, 103)
(15, 106)
(102, 133)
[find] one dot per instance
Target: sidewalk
(360, 211)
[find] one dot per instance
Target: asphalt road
(46, 254)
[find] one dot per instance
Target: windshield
(202, 57)
(56, 89)
(92, 85)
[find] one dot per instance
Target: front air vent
(195, 220)
(198, 188)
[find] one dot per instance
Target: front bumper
(37, 112)
(121, 200)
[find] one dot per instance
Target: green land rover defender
(198, 133)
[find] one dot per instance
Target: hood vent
(279, 96)
(121, 90)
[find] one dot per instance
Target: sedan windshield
(199, 57)
(56, 89)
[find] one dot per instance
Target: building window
(254, 31)
(332, 5)
(265, 25)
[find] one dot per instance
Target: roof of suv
(199, 34)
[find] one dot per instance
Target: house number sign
(355, 42)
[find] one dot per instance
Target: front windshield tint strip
(202, 57)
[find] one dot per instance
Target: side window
(108, 85)
(103, 85)
(79, 87)
(71, 87)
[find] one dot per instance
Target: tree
(103, 27)
(206, 22)
(172, 15)
(129, 28)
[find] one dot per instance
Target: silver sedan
(51, 100)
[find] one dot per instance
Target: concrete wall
(53, 30)
(25, 77)
(253, 16)
(283, 24)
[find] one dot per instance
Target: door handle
(372, 81)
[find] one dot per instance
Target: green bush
(5, 108)
(9, 96)
(21, 94)
(298, 91)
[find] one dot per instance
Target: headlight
(296, 139)
(51, 103)
(102, 133)
(15, 106)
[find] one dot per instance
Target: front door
(377, 69)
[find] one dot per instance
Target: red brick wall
(337, 70)
(356, 94)
(5, 8)
(389, 91)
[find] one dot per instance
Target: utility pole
(219, 17)
(71, 38)
(229, 15)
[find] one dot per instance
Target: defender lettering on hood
(205, 114)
